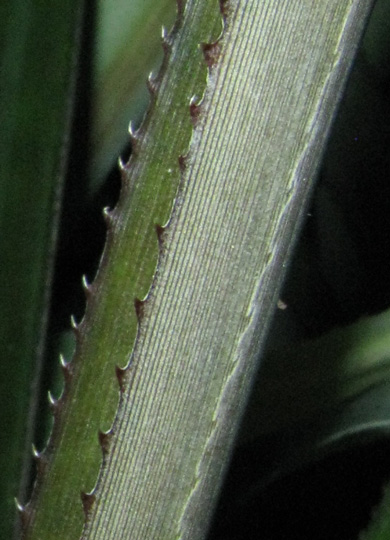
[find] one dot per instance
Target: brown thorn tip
(120, 375)
(182, 163)
(104, 439)
(66, 369)
(179, 7)
(139, 308)
(223, 6)
(159, 231)
(195, 103)
(211, 52)
(87, 499)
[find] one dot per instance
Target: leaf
(237, 198)
(134, 265)
(379, 527)
(324, 375)
(35, 120)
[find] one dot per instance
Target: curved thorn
(151, 83)
(134, 135)
(40, 460)
(87, 500)
(223, 6)
(166, 41)
(107, 216)
(75, 327)
(121, 165)
(19, 507)
(86, 286)
(66, 369)
(53, 402)
(211, 53)
(24, 513)
(120, 375)
(132, 131)
(160, 231)
(139, 308)
(182, 163)
(124, 168)
(195, 104)
(195, 101)
(134, 139)
(164, 33)
(104, 439)
(64, 364)
(35, 453)
(73, 323)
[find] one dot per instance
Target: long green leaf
(254, 154)
(75, 465)
(212, 279)
(38, 49)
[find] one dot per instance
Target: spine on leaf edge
(211, 53)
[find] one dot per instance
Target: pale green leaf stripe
(254, 154)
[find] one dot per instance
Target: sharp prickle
(166, 40)
(35, 453)
(19, 507)
(87, 500)
(53, 402)
(64, 364)
(73, 323)
(132, 131)
(121, 165)
(86, 286)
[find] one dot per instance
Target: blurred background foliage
(313, 455)
(35, 102)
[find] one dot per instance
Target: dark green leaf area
(330, 499)
(37, 46)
